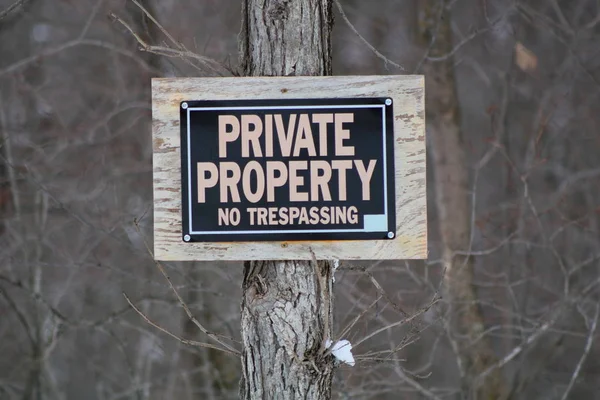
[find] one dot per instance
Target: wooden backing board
(407, 91)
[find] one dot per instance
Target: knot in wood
(278, 10)
(259, 285)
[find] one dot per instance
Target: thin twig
(399, 323)
(533, 16)
(382, 292)
(586, 351)
(71, 44)
(159, 26)
(433, 38)
(181, 52)
(12, 8)
(530, 16)
(182, 340)
(489, 251)
(357, 318)
(416, 385)
(7, 146)
(20, 316)
(515, 352)
(90, 19)
(593, 23)
(406, 341)
(518, 349)
(369, 45)
(187, 310)
(376, 359)
(410, 338)
(561, 16)
(37, 297)
(534, 336)
(466, 40)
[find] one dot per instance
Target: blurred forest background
(76, 170)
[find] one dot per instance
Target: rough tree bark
(286, 305)
(453, 201)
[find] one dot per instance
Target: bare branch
(423, 310)
(19, 315)
(384, 294)
(561, 16)
(369, 45)
(159, 26)
(534, 15)
(68, 45)
(593, 22)
(574, 178)
(539, 331)
(475, 33)
(181, 52)
(12, 8)
(36, 296)
(380, 289)
(584, 355)
(182, 340)
(516, 351)
(357, 318)
(216, 338)
(90, 19)
(416, 385)
(489, 251)
(433, 38)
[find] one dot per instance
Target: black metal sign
(273, 170)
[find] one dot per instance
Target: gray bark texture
(286, 305)
(454, 206)
(282, 37)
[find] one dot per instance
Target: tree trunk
(286, 305)
(453, 201)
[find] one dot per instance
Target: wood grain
(407, 91)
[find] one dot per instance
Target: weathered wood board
(407, 93)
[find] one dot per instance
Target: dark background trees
(75, 171)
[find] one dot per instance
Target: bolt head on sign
(300, 169)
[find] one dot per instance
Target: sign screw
(390, 235)
(187, 238)
(388, 102)
(184, 105)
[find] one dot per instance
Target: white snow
(342, 350)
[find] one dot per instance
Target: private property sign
(297, 169)
(289, 168)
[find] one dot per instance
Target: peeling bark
(286, 305)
